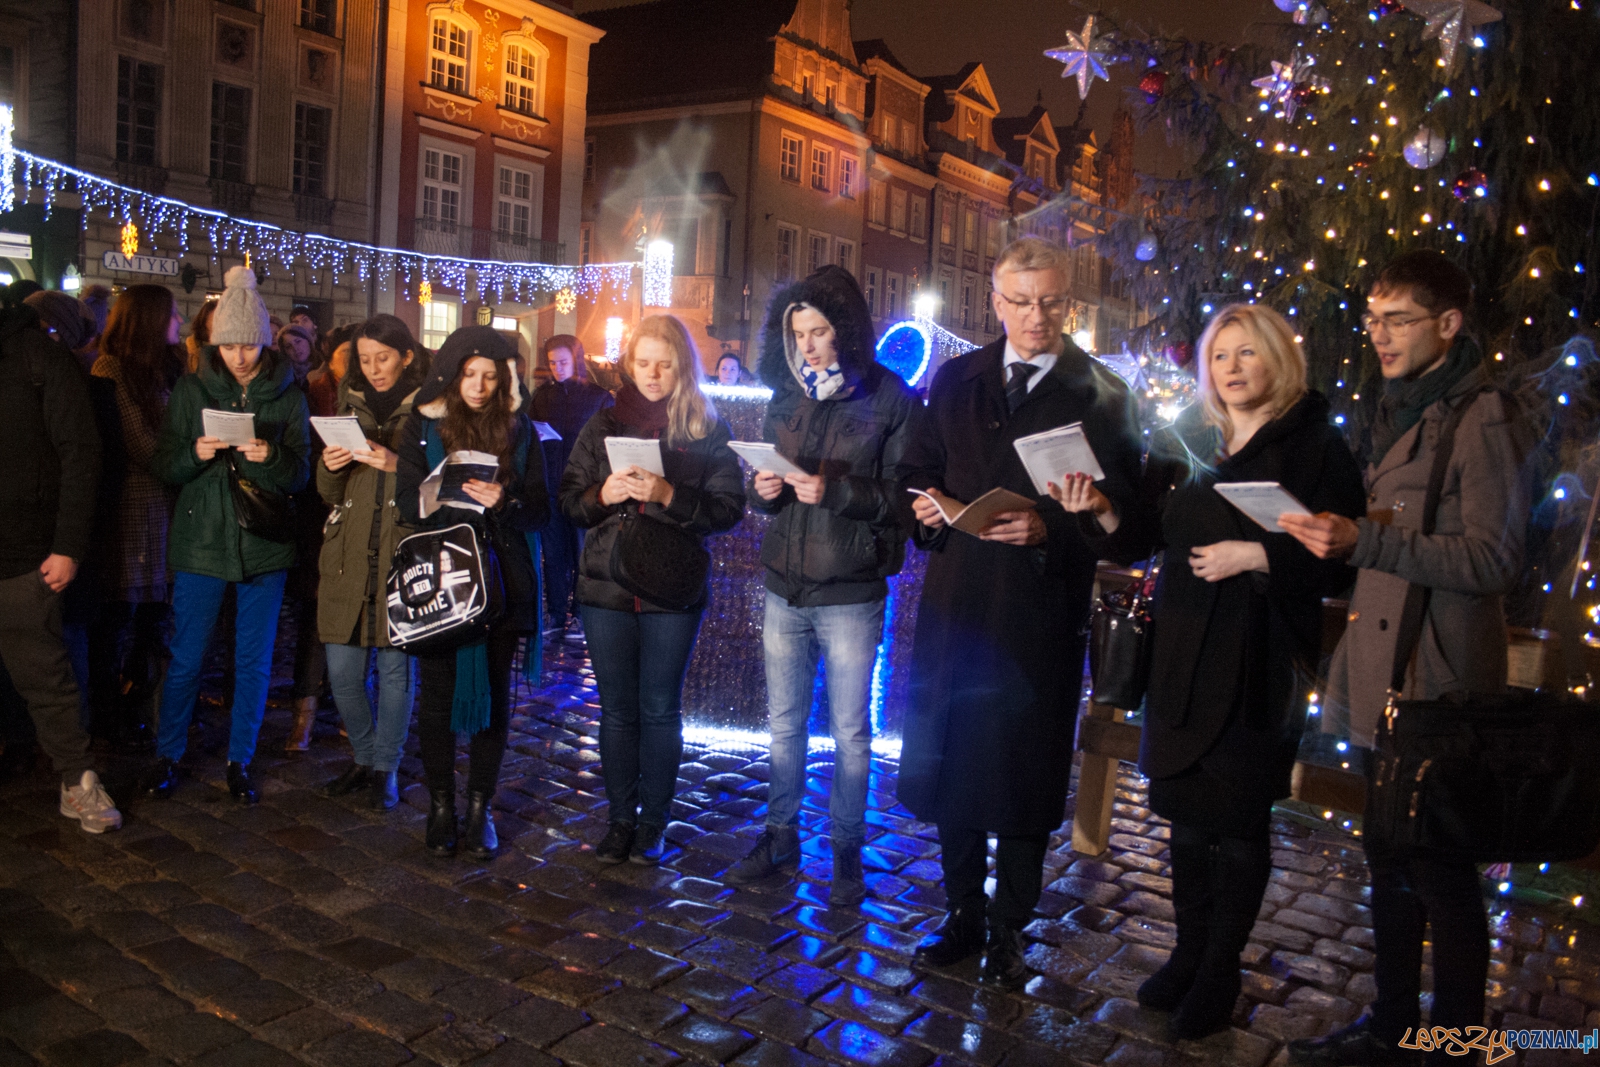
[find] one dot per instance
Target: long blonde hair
(690, 413)
(1274, 340)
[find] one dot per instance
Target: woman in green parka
(358, 542)
(207, 548)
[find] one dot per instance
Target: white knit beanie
(241, 317)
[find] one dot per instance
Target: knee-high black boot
(1190, 851)
(1240, 870)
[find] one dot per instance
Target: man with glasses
(1433, 373)
(997, 666)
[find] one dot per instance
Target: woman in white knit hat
(213, 543)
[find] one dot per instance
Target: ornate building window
(441, 188)
(449, 49)
(524, 68)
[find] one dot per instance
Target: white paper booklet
(234, 428)
(1054, 453)
(979, 515)
(764, 457)
(1262, 501)
(641, 452)
(343, 431)
(442, 488)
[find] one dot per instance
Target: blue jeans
(196, 599)
(639, 664)
(378, 748)
(847, 637)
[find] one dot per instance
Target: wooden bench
(1105, 737)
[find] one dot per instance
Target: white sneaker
(89, 803)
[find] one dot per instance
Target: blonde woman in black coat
(1237, 635)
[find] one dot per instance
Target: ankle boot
(957, 938)
(1002, 964)
(305, 716)
(441, 833)
(1191, 905)
(478, 836)
(383, 791)
(1241, 868)
(849, 886)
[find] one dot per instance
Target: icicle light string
(159, 214)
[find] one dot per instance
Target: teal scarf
(470, 705)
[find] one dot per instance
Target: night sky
(932, 37)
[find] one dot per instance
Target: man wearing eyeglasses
(1432, 372)
(997, 666)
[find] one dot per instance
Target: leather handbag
(1121, 634)
(1491, 779)
(267, 514)
(659, 561)
(444, 590)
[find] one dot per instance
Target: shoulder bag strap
(1417, 596)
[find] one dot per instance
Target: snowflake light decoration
(1289, 83)
(1447, 20)
(1085, 57)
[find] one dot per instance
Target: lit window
(503, 322)
(969, 230)
(947, 230)
(789, 158)
(447, 56)
(439, 320)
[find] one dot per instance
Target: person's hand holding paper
(1325, 535)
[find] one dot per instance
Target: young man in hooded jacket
(838, 533)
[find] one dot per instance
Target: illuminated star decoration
(1084, 58)
(1288, 81)
(1448, 19)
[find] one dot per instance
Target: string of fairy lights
(28, 178)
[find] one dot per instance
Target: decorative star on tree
(1448, 20)
(1085, 57)
(1289, 83)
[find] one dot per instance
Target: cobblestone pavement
(312, 930)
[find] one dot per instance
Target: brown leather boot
(305, 716)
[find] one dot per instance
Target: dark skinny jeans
(437, 742)
(640, 660)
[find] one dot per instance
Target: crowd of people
(121, 482)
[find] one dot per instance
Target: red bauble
(1153, 85)
(1470, 185)
(1180, 355)
(1386, 8)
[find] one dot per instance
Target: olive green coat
(206, 538)
(359, 538)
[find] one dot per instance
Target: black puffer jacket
(707, 498)
(842, 550)
(50, 444)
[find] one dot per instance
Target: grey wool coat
(1470, 561)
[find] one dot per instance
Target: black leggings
(438, 742)
(1410, 893)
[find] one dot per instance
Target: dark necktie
(1017, 387)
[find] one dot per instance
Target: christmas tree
(1369, 130)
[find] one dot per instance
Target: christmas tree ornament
(1385, 8)
(1310, 15)
(1425, 149)
(1286, 5)
(1447, 20)
(1470, 184)
(1146, 249)
(1153, 85)
(1085, 57)
(1280, 86)
(1364, 160)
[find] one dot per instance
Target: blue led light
(905, 348)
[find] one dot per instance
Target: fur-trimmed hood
(833, 291)
(464, 344)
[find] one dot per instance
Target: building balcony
(235, 198)
(695, 291)
(312, 209)
(437, 237)
(152, 180)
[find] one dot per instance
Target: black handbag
(1121, 634)
(659, 561)
(1502, 779)
(444, 590)
(267, 514)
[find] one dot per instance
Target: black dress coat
(1233, 660)
(997, 663)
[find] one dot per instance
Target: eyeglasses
(1392, 325)
(1050, 306)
